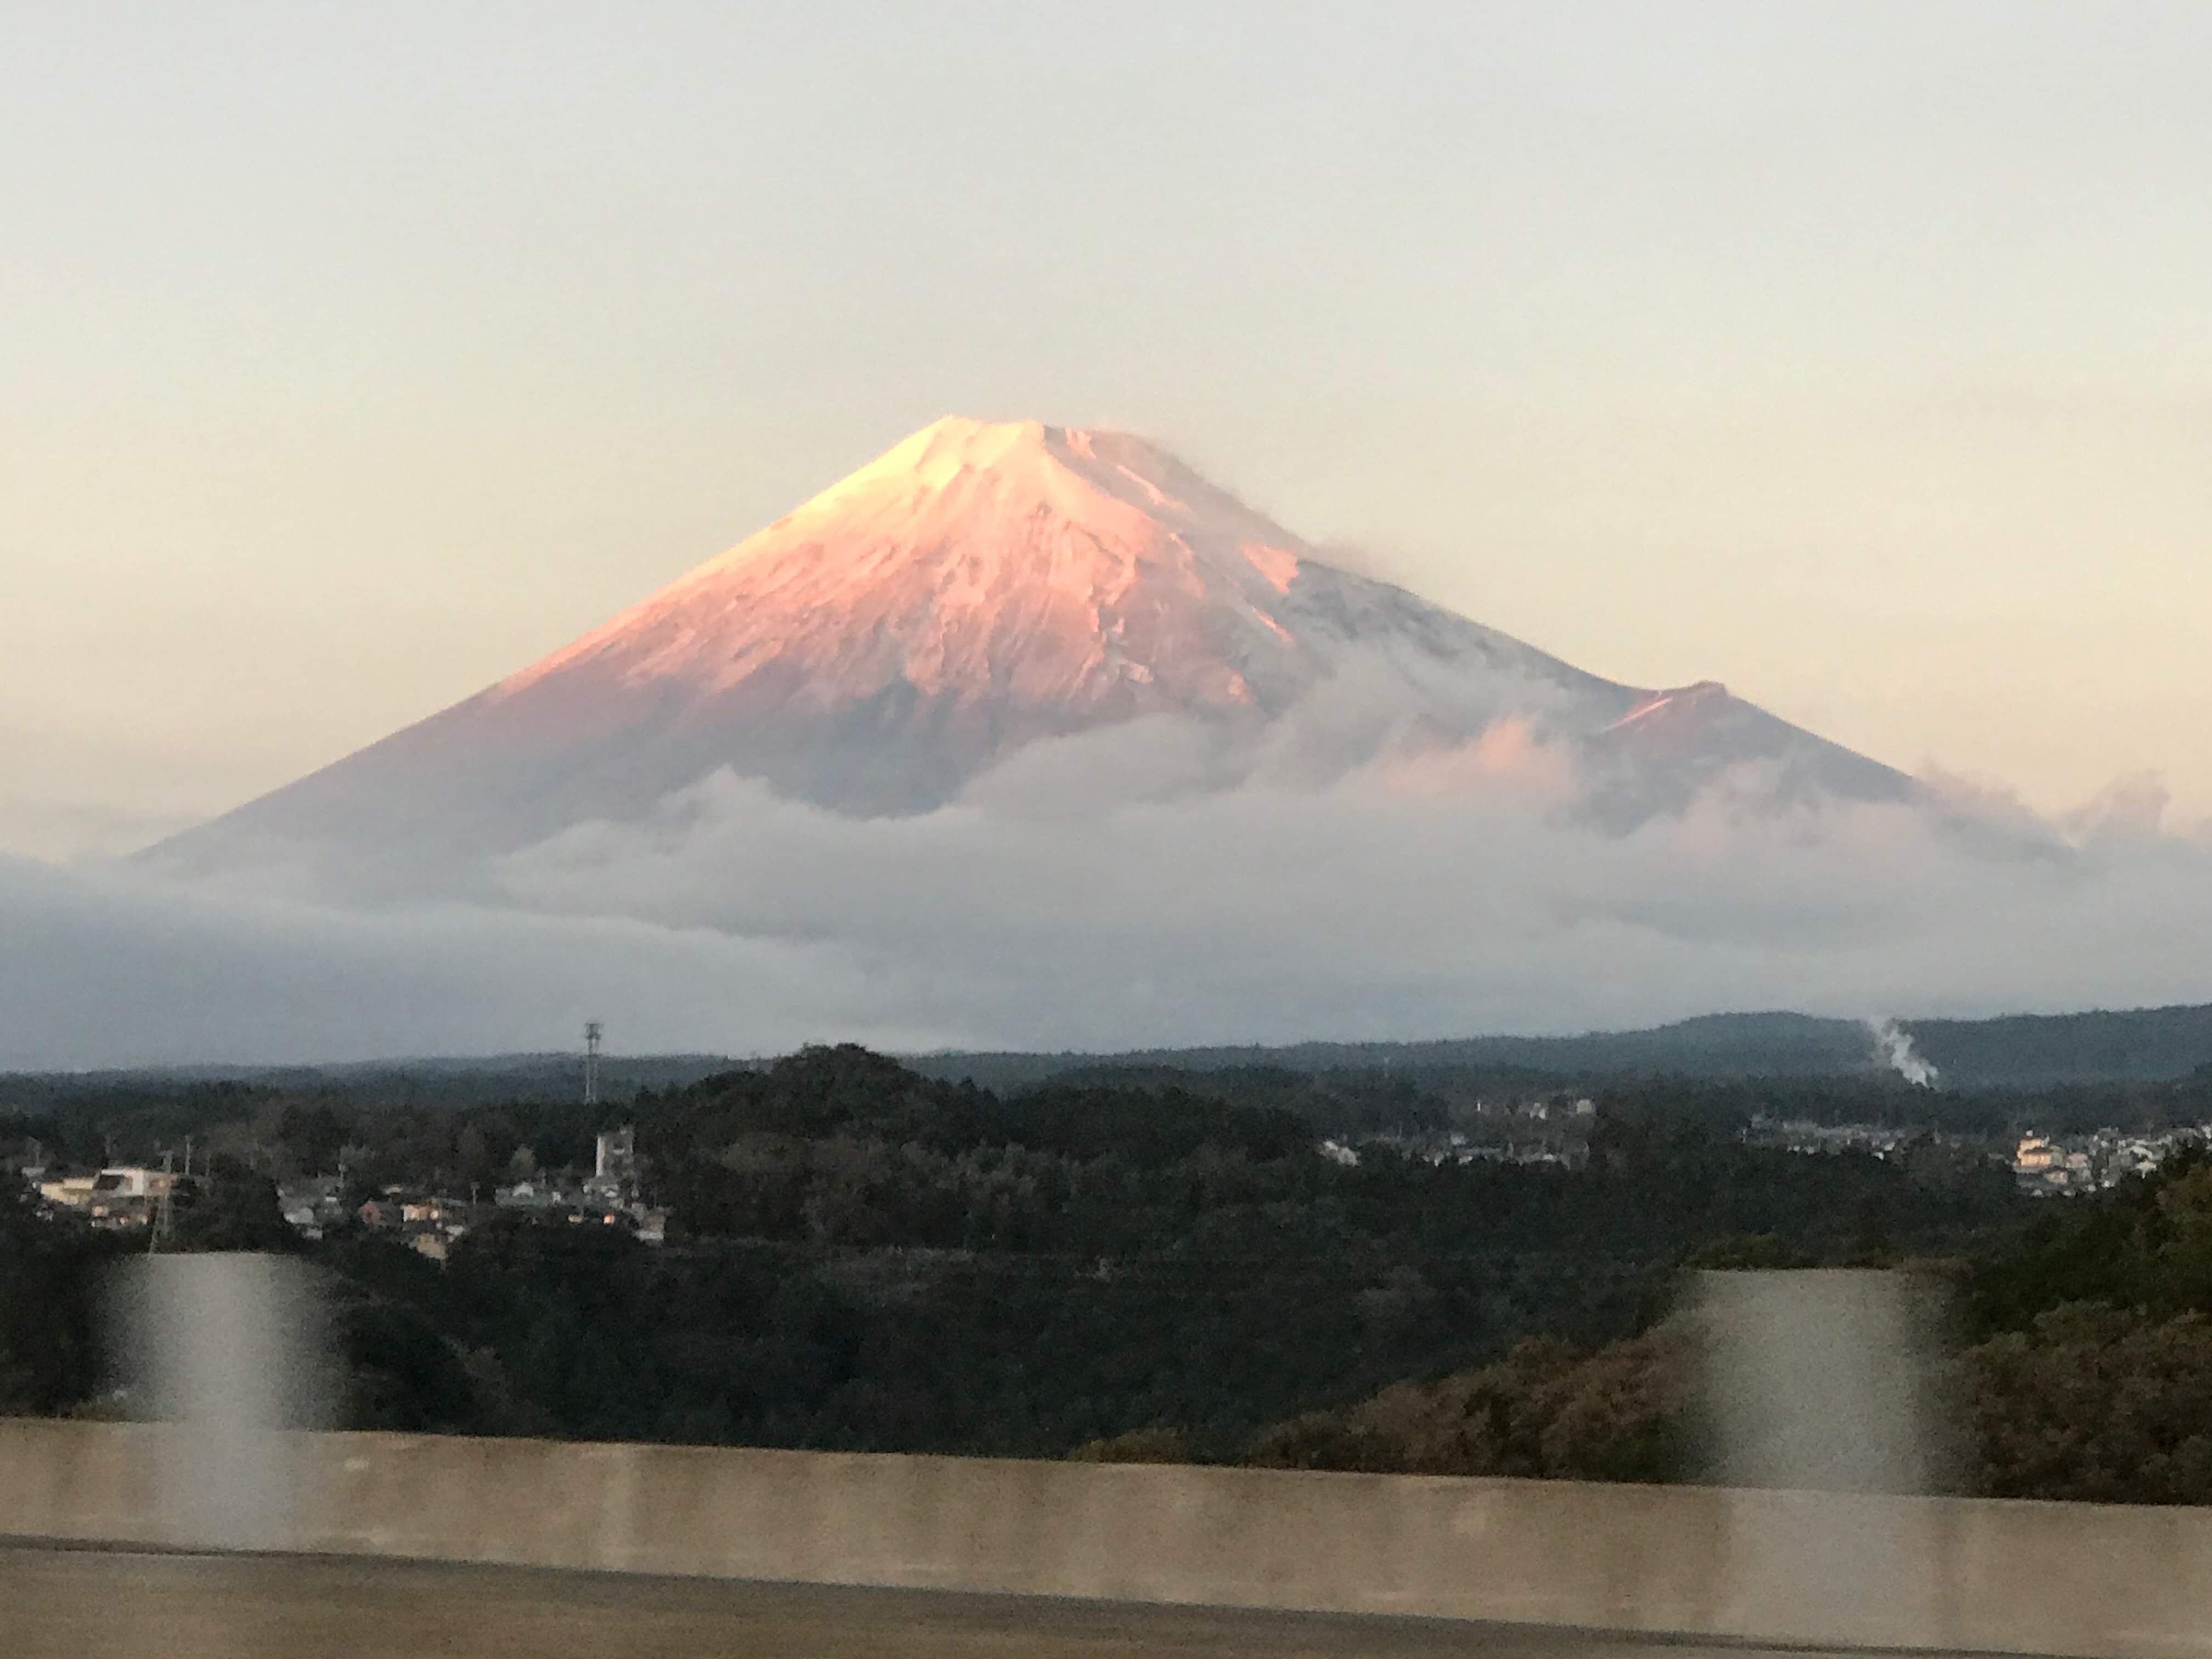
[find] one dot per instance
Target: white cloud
(109, 968)
(1093, 895)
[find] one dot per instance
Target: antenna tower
(162, 1224)
(591, 1062)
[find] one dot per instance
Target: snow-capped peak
(978, 559)
(980, 585)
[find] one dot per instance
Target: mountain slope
(978, 587)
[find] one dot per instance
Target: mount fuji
(980, 589)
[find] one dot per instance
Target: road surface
(108, 1604)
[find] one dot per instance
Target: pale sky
(1857, 355)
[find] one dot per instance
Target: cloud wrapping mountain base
(1092, 894)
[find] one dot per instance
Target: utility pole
(591, 1062)
(157, 1231)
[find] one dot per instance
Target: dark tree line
(2083, 1369)
(1151, 1263)
(864, 1257)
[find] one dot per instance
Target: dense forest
(1148, 1264)
(2083, 1370)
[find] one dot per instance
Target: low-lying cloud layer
(1096, 893)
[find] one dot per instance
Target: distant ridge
(1719, 1045)
(2014, 1051)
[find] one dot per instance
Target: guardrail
(1785, 1567)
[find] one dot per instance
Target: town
(133, 1198)
(2044, 1165)
(1551, 1130)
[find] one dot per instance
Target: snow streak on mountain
(979, 587)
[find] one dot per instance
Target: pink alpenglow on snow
(978, 588)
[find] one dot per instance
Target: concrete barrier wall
(1787, 1567)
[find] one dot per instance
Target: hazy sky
(1857, 355)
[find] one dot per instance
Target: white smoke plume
(1895, 1048)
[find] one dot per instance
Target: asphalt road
(108, 1604)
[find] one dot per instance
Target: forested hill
(2134, 1045)
(455, 1083)
(860, 1257)
(2028, 1051)
(1714, 1045)
(2017, 1051)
